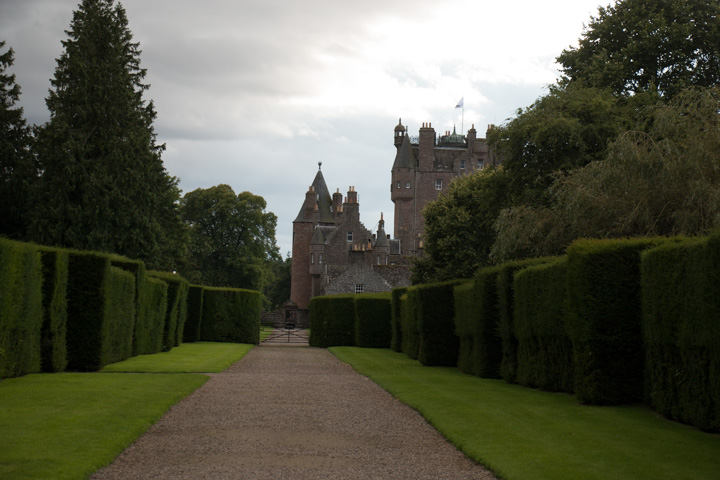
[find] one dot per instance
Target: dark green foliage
(332, 321)
(101, 312)
(409, 323)
(476, 323)
(148, 336)
(545, 355)
(231, 315)
(176, 313)
(21, 308)
(681, 308)
(438, 344)
(232, 239)
(143, 304)
(17, 166)
(604, 319)
(395, 318)
(506, 302)
(104, 186)
(54, 329)
(191, 332)
(372, 320)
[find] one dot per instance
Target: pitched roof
(404, 157)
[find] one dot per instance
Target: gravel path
(288, 412)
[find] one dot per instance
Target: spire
(404, 157)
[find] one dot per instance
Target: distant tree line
(92, 177)
(624, 144)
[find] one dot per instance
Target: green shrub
(231, 315)
(332, 321)
(681, 309)
(545, 355)
(372, 320)
(438, 344)
(395, 318)
(54, 329)
(176, 312)
(604, 319)
(148, 337)
(408, 323)
(465, 312)
(144, 305)
(101, 312)
(21, 308)
(508, 365)
(191, 332)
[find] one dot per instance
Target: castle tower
(314, 211)
(402, 194)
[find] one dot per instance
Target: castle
(333, 252)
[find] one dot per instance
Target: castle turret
(399, 134)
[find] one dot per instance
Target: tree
(665, 181)
(103, 184)
(17, 169)
(458, 226)
(568, 128)
(232, 239)
(636, 46)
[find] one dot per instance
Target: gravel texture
(289, 412)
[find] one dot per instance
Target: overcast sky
(254, 93)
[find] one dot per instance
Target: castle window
(321, 258)
(359, 288)
(407, 184)
(312, 258)
(378, 259)
(386, 259)
(349, 237)
(480, 165)
(399, 184)
(438, 184)
(462, 164)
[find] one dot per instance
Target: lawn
(524, 434)
(68, 425)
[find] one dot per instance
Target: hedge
(465, 313)
(145, 306)
(53, 347)
(372, 320)
(332, 321)
(395, 318)
(410, 335)
(148, 336)
(545, 354)
(681, 312)
(231, 315)
(604, 319)
(191, 332)
(438, 345)
(21, 308)
(101, 312)
(176, 312)
(506, 302)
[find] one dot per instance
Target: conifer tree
(103, 184)
(16, 163)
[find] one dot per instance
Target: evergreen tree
(103, 184)
(17, 170)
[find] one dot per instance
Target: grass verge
(524, 434)
(69, 425)
(199, 357)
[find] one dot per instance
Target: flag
(461, 103)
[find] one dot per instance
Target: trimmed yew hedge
(231, 315)
(53, 342)
(465, 313)
(149, 329)
(438, 344)
(21, 308)
(101, 312)
(176, 311)
(372, 320)
(332, 321)
(410, 334)
(191, 332)
(506, 302)
(544, 353)
(395, 318)
(604, 319)
(681, 325)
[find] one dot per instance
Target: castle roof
(323, 200)
(404, 157)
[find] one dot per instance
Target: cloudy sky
(254, 93)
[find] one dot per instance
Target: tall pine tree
(17, 170)
(103, 184)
